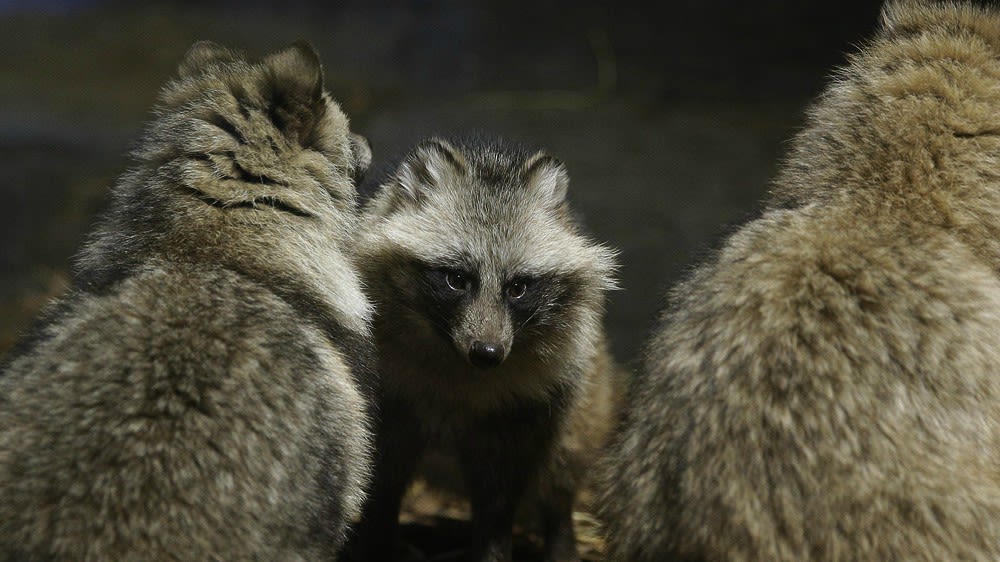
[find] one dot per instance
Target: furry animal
(193, 397)
(826, 386)
(489, 335)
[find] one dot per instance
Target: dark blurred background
(671, 117)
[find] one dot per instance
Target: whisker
(526, 320)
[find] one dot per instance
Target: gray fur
(826, 387)
(194, 397)
(498, 213)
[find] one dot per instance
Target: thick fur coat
(827, 385)
(194, 396)
(489, 329)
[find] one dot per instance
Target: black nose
(485, 355)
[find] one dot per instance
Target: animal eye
(457, 281)
(517, 289)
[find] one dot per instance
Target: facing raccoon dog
(489, 333)
(193, 396)
(826, 387)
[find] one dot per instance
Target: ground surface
(671, 126)
(434, 529)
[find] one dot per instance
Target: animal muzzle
(484, 355)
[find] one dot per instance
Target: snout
(484, 355)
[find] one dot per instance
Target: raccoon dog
(192, 397)
(488, 328)
(826, 387)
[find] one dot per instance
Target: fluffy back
(196, 396)
(905, 129)
(824, 387)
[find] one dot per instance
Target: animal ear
(425, 168)
(296, 90)
(202, 54)
(546, 176)
(361, 157)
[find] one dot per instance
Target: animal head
(244, 163)
(484, 253)
(250, 135)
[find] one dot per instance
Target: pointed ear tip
(542, 157)
(201, 53)
(300, 53)
(202, 45)
(307, 50)
(560, 167)
(205, 43)
(554, 166)
(555, 162)
(297, 67)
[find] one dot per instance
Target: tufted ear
(547, 177)
(295, 90)
(425, 168)
(202, 54)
